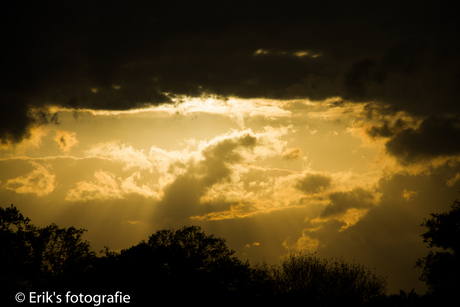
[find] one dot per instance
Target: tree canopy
(441, 268)
(185, 261)
(34, 258)
(184, 266)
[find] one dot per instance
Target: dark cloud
(436, 136)
(127, 55)
(313, 183)
(386, 130)
(182, 197)
(383, 131)
(342, 201)
(388, 237)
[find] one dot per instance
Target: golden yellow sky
(270, 176)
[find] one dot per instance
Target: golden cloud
(105, 186)
(66, 140)
(292, 154)
(40, 181)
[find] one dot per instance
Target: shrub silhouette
(306, 278)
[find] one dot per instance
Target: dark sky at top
(399, 55)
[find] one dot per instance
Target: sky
(327, 127)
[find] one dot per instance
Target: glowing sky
(323, 128)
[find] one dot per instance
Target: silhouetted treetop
(185, 261)
(441, 269)
(321, 282)
(34, 258)
(444, 229)
(191, 244)
(11, 216)
(184, 266)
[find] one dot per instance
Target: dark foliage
(184, 265)
(38, 259)
(187, 266)
(441, 268)
(321, 282)
(402, 299)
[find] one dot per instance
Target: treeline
(178, 266)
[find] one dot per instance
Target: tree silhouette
(33, 258)
(186, 262)
(184, 266)
(441, 269)
(189, 252)
(16, 250)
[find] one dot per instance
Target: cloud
(341, 202)
(388, 235)
(313, 183)
(453, 180)
(209, 182)
(105, 186)
(252, 244)
(121, 153)
(66, 140)
(205, 180)
(182, 198)
(409, 195)
(33, 142)
(40, 181)
(304, 244)
(292, 154)
(437, 136)
(121, 57)
(130, 186)
(382, 131)
(237, 109)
